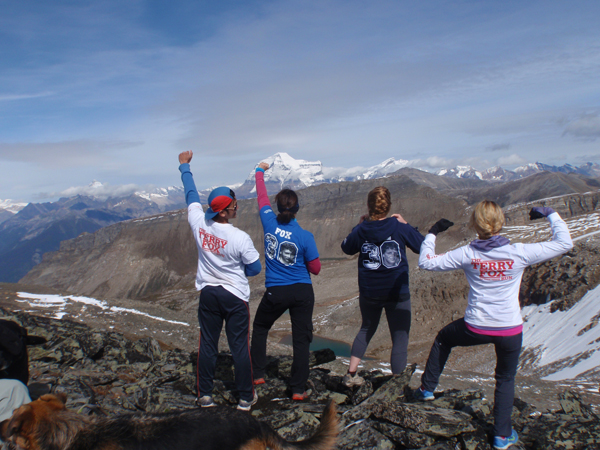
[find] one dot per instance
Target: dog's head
(20, 431)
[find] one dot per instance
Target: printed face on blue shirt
(287, 253)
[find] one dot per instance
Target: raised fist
(439, 226)
(540, 212)
(185, 157)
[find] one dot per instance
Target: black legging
(508, 348)
(299, 298)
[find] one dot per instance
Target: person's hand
(185, 157)
(439, 226)
(264, 166)
(539, 212)
(400, 218)
(363, 218)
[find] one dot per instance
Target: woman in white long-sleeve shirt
(494, 268)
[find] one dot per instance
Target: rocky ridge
(105, 373)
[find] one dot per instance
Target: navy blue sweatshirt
(382, 265)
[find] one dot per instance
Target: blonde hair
(487, 219)
(379, 203)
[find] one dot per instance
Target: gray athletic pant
(398, 317)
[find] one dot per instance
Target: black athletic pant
(398, 316)
(508, 349)
(218, 304)
(299, 298)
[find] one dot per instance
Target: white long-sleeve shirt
(494, 276)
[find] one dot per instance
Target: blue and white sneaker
(501, 442)
(422, 395)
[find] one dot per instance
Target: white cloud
(512, 160)
(12, 97)
(433, 162)
(99, 190)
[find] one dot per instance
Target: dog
(46, 424)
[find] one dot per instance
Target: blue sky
(113, 91)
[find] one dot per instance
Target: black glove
(539, 212)
(440, 225)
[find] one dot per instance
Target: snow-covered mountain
(460, 172)
(10, 206)
(298, 174)
(118, 195)
(8, 209)
(498, 174)
(286, 171)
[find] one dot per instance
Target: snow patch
(568, 339)
(61, 302)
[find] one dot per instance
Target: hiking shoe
(244, 405)
(259, 381)
(501, 442)
(350, 380)
(300, 397)
(422, 395)
(205, 401)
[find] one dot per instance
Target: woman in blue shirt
(290, 257)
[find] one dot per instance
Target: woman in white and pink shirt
(493, 267)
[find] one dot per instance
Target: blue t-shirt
(287, 250)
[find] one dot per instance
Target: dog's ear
(58, 400)
(20, 418)
(62, 397)
(4, 429)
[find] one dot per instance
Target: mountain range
(27, 231)
(299, 174)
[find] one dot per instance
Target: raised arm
(261, 191)
(428, 260)
(189, 187)
(561, 238)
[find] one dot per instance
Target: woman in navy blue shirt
(381, 242)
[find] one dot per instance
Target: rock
(558, 431)
(106, 373)
(477, 440)
(363, 393)
(303, 428)
(362, 437)
(402, 436)
(430, 420)
(283, 418)
(571, 404)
